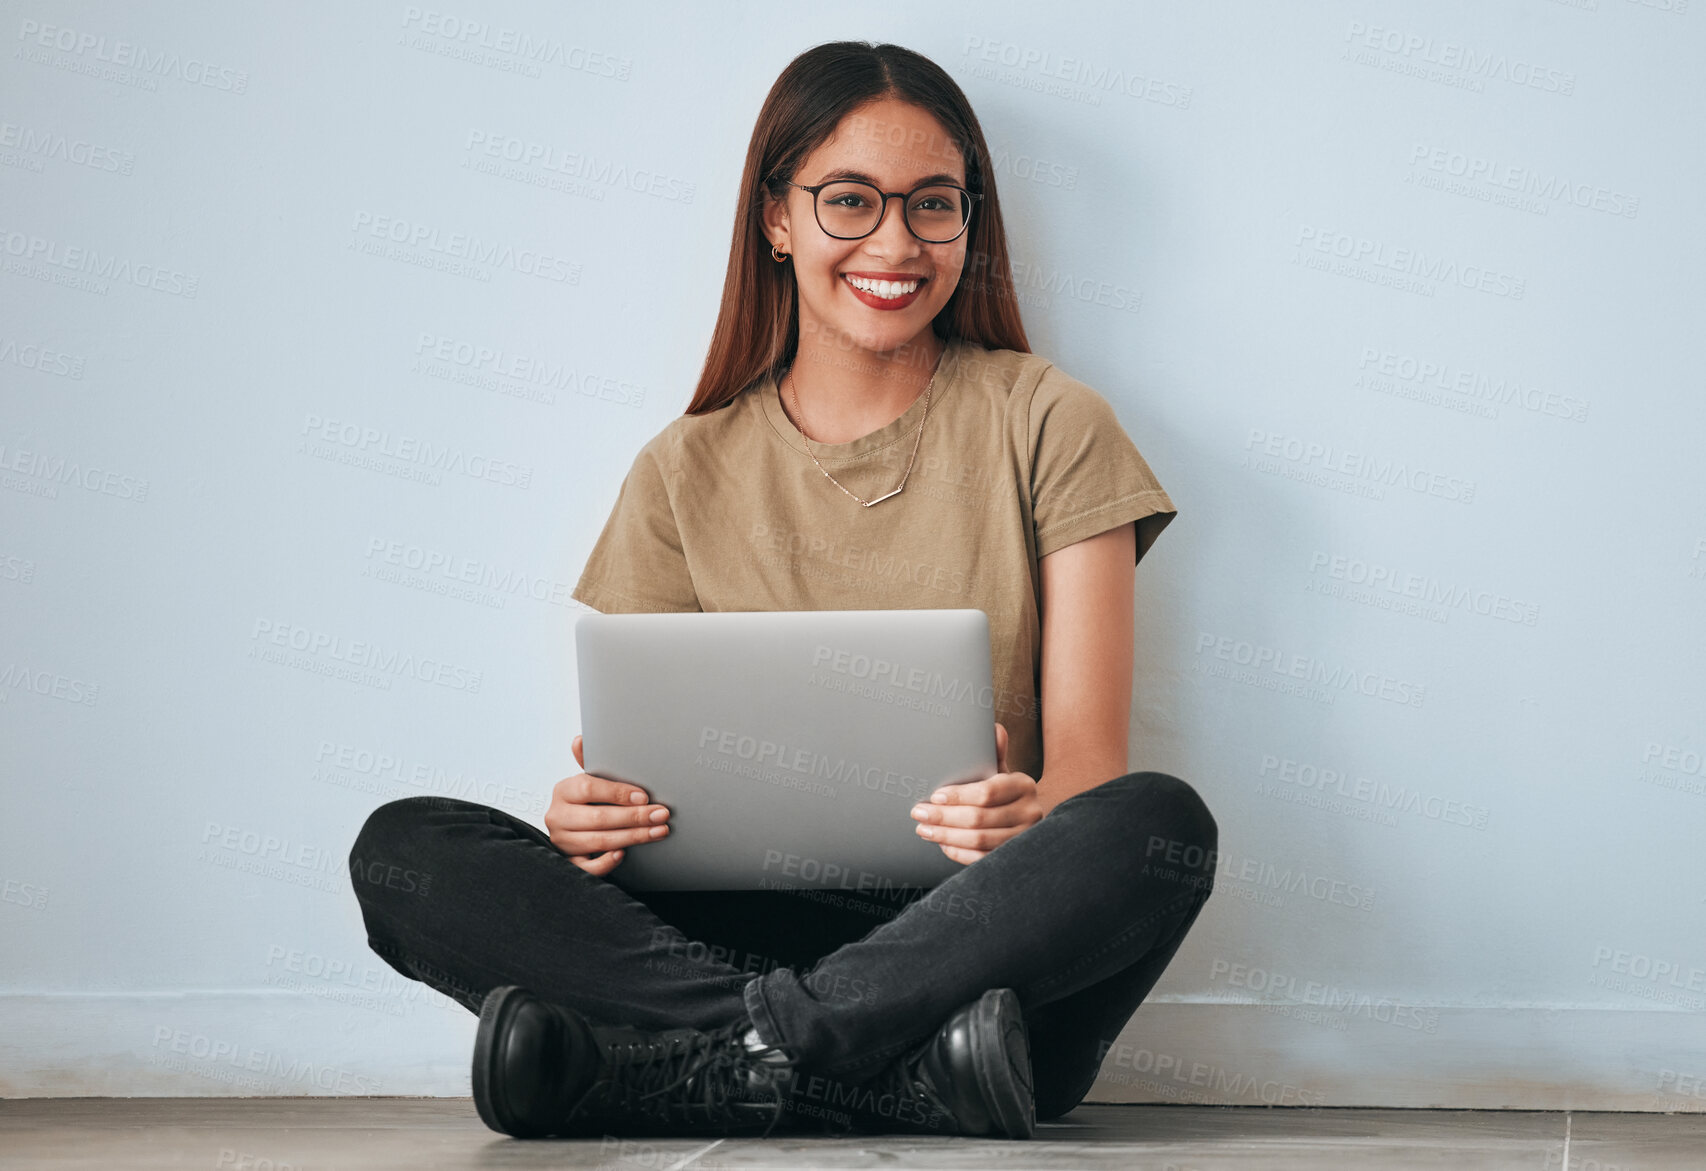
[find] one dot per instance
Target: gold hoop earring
(777, 254)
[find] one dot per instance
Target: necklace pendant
(916, 441)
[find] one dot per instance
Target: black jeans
(1078, 915)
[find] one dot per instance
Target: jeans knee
(391, 825)
(1186, 811)
(1172, 821)
(387, 850)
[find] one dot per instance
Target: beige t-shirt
(726, 511)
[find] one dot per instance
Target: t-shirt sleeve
(637, 564)
(1086, 474)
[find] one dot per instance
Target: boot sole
(1001, 1055)
(493, 1018)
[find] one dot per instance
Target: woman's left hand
(970, 820)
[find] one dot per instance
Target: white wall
(1498, 903)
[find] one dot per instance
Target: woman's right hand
(591, 819)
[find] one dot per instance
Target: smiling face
(847, 288)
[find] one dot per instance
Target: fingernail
(940, 797)
(920, 810)
(637, 797)
(659, 830)
(659, 814)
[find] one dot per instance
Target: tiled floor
(365, 1134)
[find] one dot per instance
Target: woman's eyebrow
(938, 177)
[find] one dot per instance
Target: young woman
(870, 431)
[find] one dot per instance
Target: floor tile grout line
(1566, 1141)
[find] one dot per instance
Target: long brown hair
(758, 324)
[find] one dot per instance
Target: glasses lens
(937, 214)
(848, 208)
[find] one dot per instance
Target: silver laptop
(789, 746)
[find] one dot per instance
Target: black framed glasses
(850, 209)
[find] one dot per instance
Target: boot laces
(691, 1076)
(903, 1078)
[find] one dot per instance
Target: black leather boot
(971, 1077)
(543, 1069)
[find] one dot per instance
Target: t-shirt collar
(901, 428)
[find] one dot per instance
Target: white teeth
(888, 290)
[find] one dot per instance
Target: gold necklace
(915, 443)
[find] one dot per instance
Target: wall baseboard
(413, 1042)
